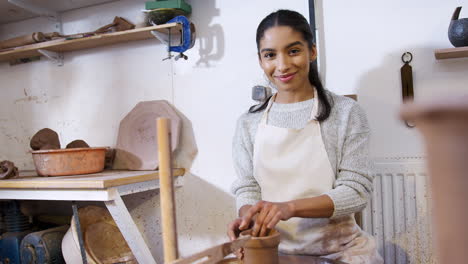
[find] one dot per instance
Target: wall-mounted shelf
(452, 53)
(62, 45)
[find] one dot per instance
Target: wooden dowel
(169, 231)
(22, 40)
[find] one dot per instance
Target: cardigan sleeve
(353, 185)
(245, 187)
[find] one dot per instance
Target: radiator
(398, 215)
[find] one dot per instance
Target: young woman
(302, 157)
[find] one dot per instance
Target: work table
(108, 186)
(101, 180)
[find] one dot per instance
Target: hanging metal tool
(407, 80)
(76, 218)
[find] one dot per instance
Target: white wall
(361, 46)
(92, 92)
(363, 42)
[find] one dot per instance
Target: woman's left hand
(269, 214)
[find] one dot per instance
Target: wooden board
(105, 179)
(137, 147)
(452, 53)
(61, 45)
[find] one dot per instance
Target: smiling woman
(299, 28)
(302, 157)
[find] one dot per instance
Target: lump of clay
(78, 144)
(49, 146)
(45, 138)
(8, 170)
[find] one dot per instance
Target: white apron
(292, 164)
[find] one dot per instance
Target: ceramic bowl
(63, 162)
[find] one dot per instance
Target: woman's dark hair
(298, 23)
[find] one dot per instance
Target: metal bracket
(40, 11)
(55, 57)
(166, 40)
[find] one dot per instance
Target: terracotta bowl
(261, 249)
(62, 162)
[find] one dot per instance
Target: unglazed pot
(444, 125)
(260, 250)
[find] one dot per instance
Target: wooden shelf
(101, 180)
(62, 45)
(452, 53)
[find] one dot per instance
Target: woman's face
(285, 58)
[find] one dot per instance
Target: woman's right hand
(234, 229)
(233, 233)
(238, 225)
(241, 223)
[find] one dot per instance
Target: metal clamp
(187, 38)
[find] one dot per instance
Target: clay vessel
(259, 250)
(444, 125)
(72, 161)
(458, 29)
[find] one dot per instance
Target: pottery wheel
(137, 147)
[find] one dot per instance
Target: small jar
(260, 250)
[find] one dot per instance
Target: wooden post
(169, 231)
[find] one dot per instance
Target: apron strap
(267, 110)
(314, 111)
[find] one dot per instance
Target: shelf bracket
(165, 40)
(40, 11)
(161, 37)
(55, 57)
